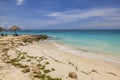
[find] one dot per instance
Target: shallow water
(87, 53)
(106, 41)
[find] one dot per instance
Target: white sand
(63, 62)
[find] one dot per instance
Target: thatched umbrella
(14, 28)
(2, 29)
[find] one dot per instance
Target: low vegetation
(38, 71)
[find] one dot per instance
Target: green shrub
(47, 71)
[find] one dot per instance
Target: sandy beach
(42, 60)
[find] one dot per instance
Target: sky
(60, 14)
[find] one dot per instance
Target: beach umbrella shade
(2, 29)
(14, 28)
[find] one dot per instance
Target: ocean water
(103, 41)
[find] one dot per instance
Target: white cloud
(84, 14)
(87, 18)
(101, 17)
(5, 24)
(55, 14)
(103, 25)
(20, 2)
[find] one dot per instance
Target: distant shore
(32, 58)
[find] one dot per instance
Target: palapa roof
(14, 28)
(2, 29)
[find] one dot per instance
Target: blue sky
(60, 14)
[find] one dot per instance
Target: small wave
(87, 53)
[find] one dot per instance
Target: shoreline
(90, 54)
(62, 64)
(112, 58)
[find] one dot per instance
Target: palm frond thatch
(2, 29)
(14, 28)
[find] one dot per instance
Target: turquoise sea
(105, 41)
